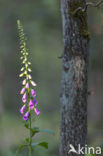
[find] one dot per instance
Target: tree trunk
(74, 77)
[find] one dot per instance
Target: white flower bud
(23, 61)
(29, 63)
(33, 83)
(29, 69)
(25, 72)
(24, 82)
(26, 65)
(29, 76)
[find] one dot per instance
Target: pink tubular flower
(24, 98)
(27, 85)
(25, 117)
(33, 83)
(35, 101)
(37, 111)
(22, 109)
(31, 104)
(22, 91)
(33, 93)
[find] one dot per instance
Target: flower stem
(30, 143)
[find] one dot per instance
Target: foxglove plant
(28, 93)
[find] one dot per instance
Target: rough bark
(74, 77)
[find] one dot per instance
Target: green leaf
(20, 148)
(47, 131)
(34, 131)
(27, 125)
(42, 144)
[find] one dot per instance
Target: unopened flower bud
(24, 82)
(26, 65)
(29, 63)
(21, 75)
(33, 83)
(29, 69)
(22, 91)
(22, 68)
(25, 72)
(27, 85)
(33, 93)
(24, 98)
(37, 111)
(29, 76)
(22, 109)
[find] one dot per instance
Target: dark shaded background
(42, 24)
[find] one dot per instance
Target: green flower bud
(21, 57)
(21, 75)
(22, 68)
(29, 63)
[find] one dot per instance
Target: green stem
(30, 143)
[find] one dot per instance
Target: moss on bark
(81, 18)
